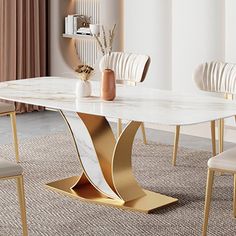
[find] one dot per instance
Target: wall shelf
(78, 36)
(102, 12)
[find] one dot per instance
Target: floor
(48, 122)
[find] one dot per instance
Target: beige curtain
(23, 42)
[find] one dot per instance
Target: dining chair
(215, 77)
(9, 170)
(9, 109)
(130, 69)
(224, 162)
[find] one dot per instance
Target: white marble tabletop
(131, 103)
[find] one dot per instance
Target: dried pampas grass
(84, 72)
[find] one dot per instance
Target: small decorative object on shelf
(108, 83)
(94, 29)
(77, 24)
(83, 86)
(83, 31)
(84, 21)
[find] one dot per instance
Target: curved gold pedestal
(107, 171)
(149, 202)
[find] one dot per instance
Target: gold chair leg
(144, 134)
(119, 128)
(210, 180)
(14, 133)
(213, 137)
(234, 202)
(176, 143)
(21, 195)
(221, 135)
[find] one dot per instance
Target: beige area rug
(49, 158)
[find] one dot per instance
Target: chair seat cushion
(8, 169)
(6, 107)
(224, 161)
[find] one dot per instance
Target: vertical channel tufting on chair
(127, 66)
(216, 77)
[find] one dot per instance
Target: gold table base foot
(87, 192)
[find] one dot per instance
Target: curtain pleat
(23, 41)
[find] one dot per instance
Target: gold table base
(107, 176)
(149, 202)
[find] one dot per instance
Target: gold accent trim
(21, 195)
(176, 143)
(125, 184)
(210, 179)
(213, 137)
(234, 197)
(14, 134)
(209, 187)
(103, 141)
(6, 113)
(119, 130)
(12, 115)
(146, 204)
(119, 127)
(227, 96)
(117, 155)
(221, 135)
(84, 179)
(143, 133)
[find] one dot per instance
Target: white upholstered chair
(9, 170)
(217, 77)
(9, 109)
(224, 162)
(130, 69)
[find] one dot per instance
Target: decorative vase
(108, 86)
(83, 89)
(95, 29)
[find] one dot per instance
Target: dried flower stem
(100, 45)
(105, 43)
(104, 37)
(84, 72)
(111, 38)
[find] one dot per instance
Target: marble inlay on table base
(107, 171)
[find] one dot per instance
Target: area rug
(53, 157)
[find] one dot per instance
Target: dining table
(107, 174)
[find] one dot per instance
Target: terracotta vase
(108, 85)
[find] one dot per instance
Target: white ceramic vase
(83, 89)
(95, 29)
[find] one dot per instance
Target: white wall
(147, 26)
(230, 31)
(177, 34)
(180, 34)
(197, 36)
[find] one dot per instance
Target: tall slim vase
(108, 85)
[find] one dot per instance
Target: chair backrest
(128, 67)
(216, 77)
